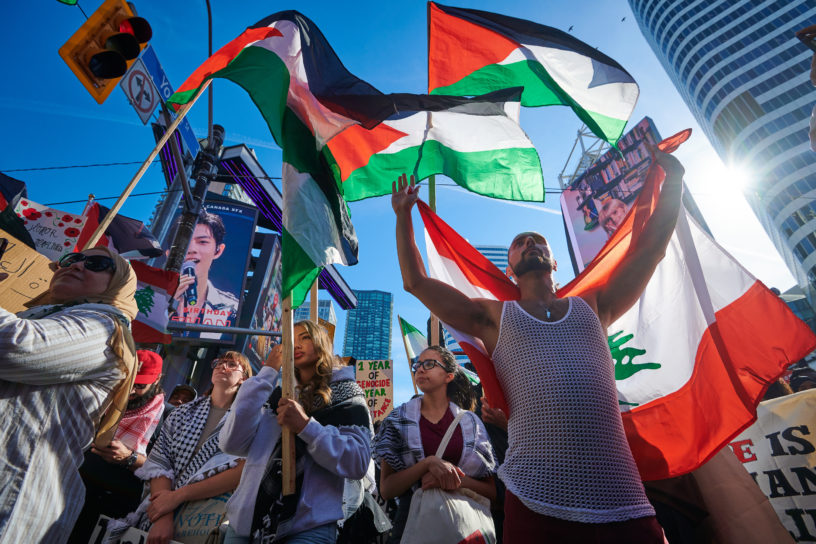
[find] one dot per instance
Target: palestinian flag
(306, 96)
(415, 342)
(693, 357)
(154, 291)
(474, 52)
(476, 142)
(128, 237)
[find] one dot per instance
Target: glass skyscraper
(325, 311)
(368, 326)
(744, 76)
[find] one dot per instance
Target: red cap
(150, 366)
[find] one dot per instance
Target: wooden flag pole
(103, 225)
(288, 392)
(313, 302)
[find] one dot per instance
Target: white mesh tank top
(568, 456)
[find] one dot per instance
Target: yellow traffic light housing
(103, 48)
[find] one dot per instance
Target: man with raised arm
(569, 472)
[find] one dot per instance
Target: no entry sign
(139, 88)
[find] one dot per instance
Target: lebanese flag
(128, 237)
(477, 142)
(693, 357)
(472, 52)
(155, 289)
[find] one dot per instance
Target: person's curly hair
(317, 389)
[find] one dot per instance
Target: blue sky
(50, 120)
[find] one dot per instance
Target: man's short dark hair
(215, 223)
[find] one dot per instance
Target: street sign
(139, 88)
(159, 78)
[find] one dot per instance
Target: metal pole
(206, 167)
(210, 94)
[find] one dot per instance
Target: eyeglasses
(141, 386)
(426, 365)
(229, 364)
(94, 263)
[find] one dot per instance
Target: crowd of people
(87, 430)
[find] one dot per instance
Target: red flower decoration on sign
(61, 225)
(77, 221)
(67, 217)
(67, 244)
(24, 203)
(48, 214)
(32, 214)
(72, 232)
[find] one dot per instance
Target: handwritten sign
(779, 451)
(54, 232)
(28, 274)
(376, 378)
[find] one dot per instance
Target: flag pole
(106, 221)
(313, 301)
(434, 336)
(288, 392)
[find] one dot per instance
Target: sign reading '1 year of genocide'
(376, 378)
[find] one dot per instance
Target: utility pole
(204, 171)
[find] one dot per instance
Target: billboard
(596, 202)
(268, 311)
(211, 284)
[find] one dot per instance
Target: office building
(744, 76)
(368, 326)
(325, 311)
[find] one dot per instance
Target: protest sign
(376, 378)
(54, 232)
(24, 274)
(778, 451)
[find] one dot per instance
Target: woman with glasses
(410, 436)
(66, 370)
(330, 419)
(186, 463)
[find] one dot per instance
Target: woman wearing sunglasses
(331, 421)
(66, 370)
(410, 436)
(186, 463)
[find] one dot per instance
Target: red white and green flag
(154, 292)
(474, 52)
(306, 96)
(477, 142)
(693, 357)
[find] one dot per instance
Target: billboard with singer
(211, 283)
(596, 202)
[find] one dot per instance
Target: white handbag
(437, 516)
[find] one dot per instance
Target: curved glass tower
(744, 75)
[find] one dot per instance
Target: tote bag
(437, 516)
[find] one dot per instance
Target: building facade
(744, 76)
(325, 311)
(368, 326)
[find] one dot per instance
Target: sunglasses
(229, 364)
(94, 263)
(426, 365)
(141, 386)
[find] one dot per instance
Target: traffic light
(104, 47)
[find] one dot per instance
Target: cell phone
(808, 37)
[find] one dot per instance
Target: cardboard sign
(376, 378)
(28, 274)
(779, 451)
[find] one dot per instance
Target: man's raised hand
(404, 194)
